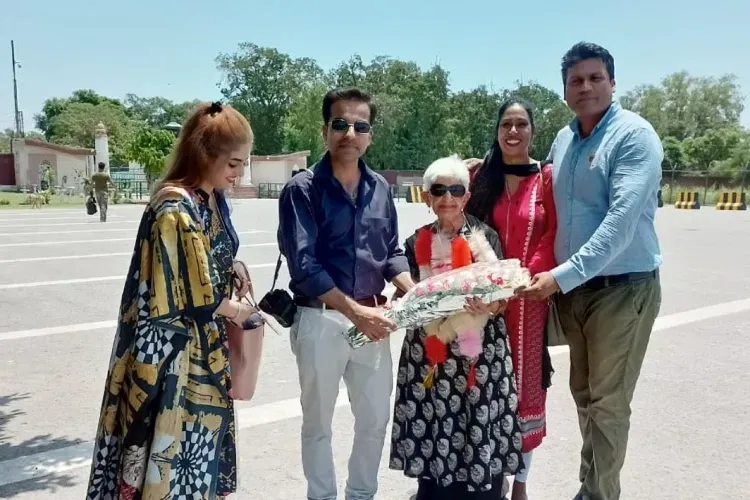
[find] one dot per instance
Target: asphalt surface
(61, 276)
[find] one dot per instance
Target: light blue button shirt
(605, 188)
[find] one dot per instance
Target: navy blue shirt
(329, 241)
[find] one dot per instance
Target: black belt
(600, 282)
(374, 301)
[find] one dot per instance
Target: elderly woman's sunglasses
(341, 125)
(456, 190)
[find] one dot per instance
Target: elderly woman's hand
(476, 306)
(473, 163)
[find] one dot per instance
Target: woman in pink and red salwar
(513, 194)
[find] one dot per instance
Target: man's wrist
(351, 310)
(566, 277)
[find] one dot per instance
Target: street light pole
(19, 130)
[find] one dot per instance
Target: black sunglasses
(341, 125)
(456, 190)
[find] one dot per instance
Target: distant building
(70, 165)
(267, 174)
(274, 169)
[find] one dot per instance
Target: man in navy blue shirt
(338, 230)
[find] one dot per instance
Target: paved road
(60, 283)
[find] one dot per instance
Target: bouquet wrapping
(445, 294)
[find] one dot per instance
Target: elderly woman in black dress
(455, 427)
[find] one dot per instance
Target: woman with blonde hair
(167, 425)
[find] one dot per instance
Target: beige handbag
(554, 332)
(245, 352)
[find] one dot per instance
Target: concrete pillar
(101, 145)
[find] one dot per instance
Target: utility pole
(19, 128)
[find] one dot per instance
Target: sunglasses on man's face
(456, 190)
(341, 125)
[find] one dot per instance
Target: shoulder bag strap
(276, 273)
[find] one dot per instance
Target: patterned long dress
(167, 428)
(462, 441)
(526, 223)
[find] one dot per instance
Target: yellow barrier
(414, 194)
(731, 200)
(689, 201)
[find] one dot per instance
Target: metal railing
(132, 185)
(270, 190)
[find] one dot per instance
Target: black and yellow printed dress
(167, 428)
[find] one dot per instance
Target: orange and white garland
(437, 253)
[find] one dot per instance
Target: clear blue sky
(167, 47)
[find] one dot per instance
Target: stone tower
(101, 146)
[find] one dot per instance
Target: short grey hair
(450, 166)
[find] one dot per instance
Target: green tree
(471, 125)
(158, 111)
(709, 151)
(674, 156)
(262, 83)
(7, 135)
(45, 121)
(303, 123)
(413, 110)
(150, 147)
(684, 106)
(75, 125)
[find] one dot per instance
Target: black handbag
(91, 205)
(278, 303)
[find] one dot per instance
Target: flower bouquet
(445, 294)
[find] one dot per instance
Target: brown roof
(298, 154)
(57, 147)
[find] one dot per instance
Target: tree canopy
(420, 116)
(698, 120)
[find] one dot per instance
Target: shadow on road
(28, 480)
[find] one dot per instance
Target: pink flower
(466, 288)
(470, 343)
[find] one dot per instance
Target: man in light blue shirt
(606, 174)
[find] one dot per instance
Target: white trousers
(323, 359)
(523, 476)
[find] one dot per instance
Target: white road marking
(32, 213)
(89, 231)
(97, 255)
(89, 241)
(79, 456)
(15, 219)
(33, 284)
(88, 223)
(72, 231)
(76, 281)
(86, 327)
(55, 330)
(684, 318)
(62, 242)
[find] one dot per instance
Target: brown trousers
(102, 199)
(608, 329)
